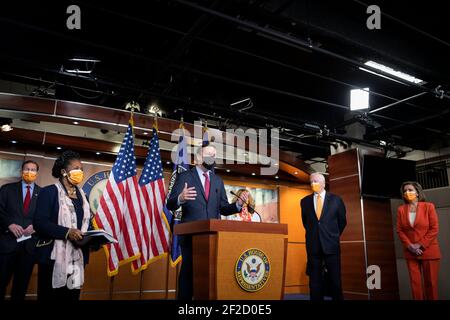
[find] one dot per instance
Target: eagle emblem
(252, 270)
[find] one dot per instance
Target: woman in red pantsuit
(418, 227)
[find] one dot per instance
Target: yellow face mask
(315, 187)
(75, 176)
(29, 176)
(410, 195)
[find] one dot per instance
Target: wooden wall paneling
(353, 266)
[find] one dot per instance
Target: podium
(235, 260)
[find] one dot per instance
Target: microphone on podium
(249, 206)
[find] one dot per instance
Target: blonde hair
(250, 201)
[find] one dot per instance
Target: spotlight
(359, 99)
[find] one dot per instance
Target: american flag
(181, 164)
(119, 210)
(155, 229)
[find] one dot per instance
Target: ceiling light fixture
(389, 70)
(85, 60)
(359, 99)
(5, 124)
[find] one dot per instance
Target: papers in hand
(96, 237)
(23, 238)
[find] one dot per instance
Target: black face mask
(208, 163)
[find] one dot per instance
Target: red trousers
(426, 289)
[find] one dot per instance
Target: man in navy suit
(202, 196)
(323, 216)
(17, 206)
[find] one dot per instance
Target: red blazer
(424, 230)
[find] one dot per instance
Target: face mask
(410, 196)
(315, 187)
(209, 163)
(29, 176)
(75, 176)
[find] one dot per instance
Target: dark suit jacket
(200, 209)
(11, 211)
(325, 232)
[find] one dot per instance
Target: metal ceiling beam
(294, 40)
(396, 103)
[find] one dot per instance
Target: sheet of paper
(23, 238)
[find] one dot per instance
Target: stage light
(228, 170)
(75, 122)
(145, 133)
(168, 162)
(253, 174)
(13, 141)
(388, 70)
(359, 99)
(276, 177)
(296, 172)
(98, 153)
(58, 148)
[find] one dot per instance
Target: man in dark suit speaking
(17, 237)
(323, 216)
(202, 196)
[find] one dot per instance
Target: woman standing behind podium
(62, 215)
(417, 228)
(247, 213)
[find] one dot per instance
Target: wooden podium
(221, 247)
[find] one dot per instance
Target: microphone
(249, 206)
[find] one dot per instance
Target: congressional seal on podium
(252, 270)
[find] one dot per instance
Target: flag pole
(167, 276)
(140, 283)
(111, 287)
(176, 279)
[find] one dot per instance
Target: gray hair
(318, 174)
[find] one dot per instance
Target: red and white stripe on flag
(119, 210)
(155, 228)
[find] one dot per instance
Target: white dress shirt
(412, 217)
